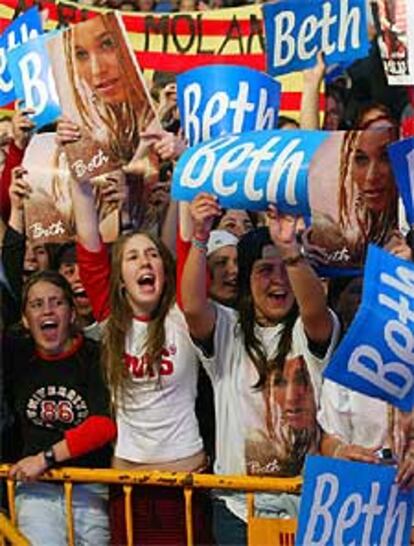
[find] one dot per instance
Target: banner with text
(345, 502)
(219, 100)
(296, 31)
(402, 159)
(177, 42)
(33, 79)
(294, 170)
(25, 27)
(376, 356)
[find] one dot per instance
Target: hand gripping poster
(340, 183)
(101, 88)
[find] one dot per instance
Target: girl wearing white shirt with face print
(259, 358)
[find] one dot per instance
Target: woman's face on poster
(97, 62)
(371, 168)
(293, 394)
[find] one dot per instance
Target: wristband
(50, 458)
(200, 245)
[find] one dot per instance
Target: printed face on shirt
(142, 273)
(269, 284)
(292, 392)
(223, 270)
(371, 168)
(96, 60)
(48, 316)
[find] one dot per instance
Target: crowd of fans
(152, 353)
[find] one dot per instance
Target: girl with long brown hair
(151, 367)
(264, 359)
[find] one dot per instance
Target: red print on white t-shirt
(140, 367)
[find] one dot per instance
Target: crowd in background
(102, 346)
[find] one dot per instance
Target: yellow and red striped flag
(176, 42)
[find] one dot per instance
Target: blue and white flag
(297, 30)
(376, 356)
(33, 79)
(24, 28)
(402, 160)
(222, 99)
(353, 503)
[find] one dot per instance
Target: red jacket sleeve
(93, 433)
(407, 127)
(183, 249)
(94, 271)
(14, 157)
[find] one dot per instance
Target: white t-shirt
(253, 426)
(356, 418)
(156, 421)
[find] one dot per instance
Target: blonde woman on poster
(364, 209)
(102, 91)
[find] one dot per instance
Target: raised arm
(306, 286)
(309, 107)
(86, 216)
(199, 312)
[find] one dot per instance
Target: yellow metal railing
(184, 480)
(10, 533)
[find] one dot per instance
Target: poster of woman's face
(49, 216)
(287, 430)
(352, 194)
(101, 88)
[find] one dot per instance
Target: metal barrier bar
(68, 488)
(170, 479)
(188, 497)
(250, 505)
(185, 480)
(129, 526)
(11, 488)
(11, 533)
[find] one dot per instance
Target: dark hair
(286, 120)
(64, 253)
(249, 250)
(384, 114)
(52, 277)
(253, 216)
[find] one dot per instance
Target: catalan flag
(180, 41)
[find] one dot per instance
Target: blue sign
(25, 27)
(222, 99)
(352, 503)
(297, 30)
(402, 160)
(376, 356)
(251, 170)
(33, 79)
